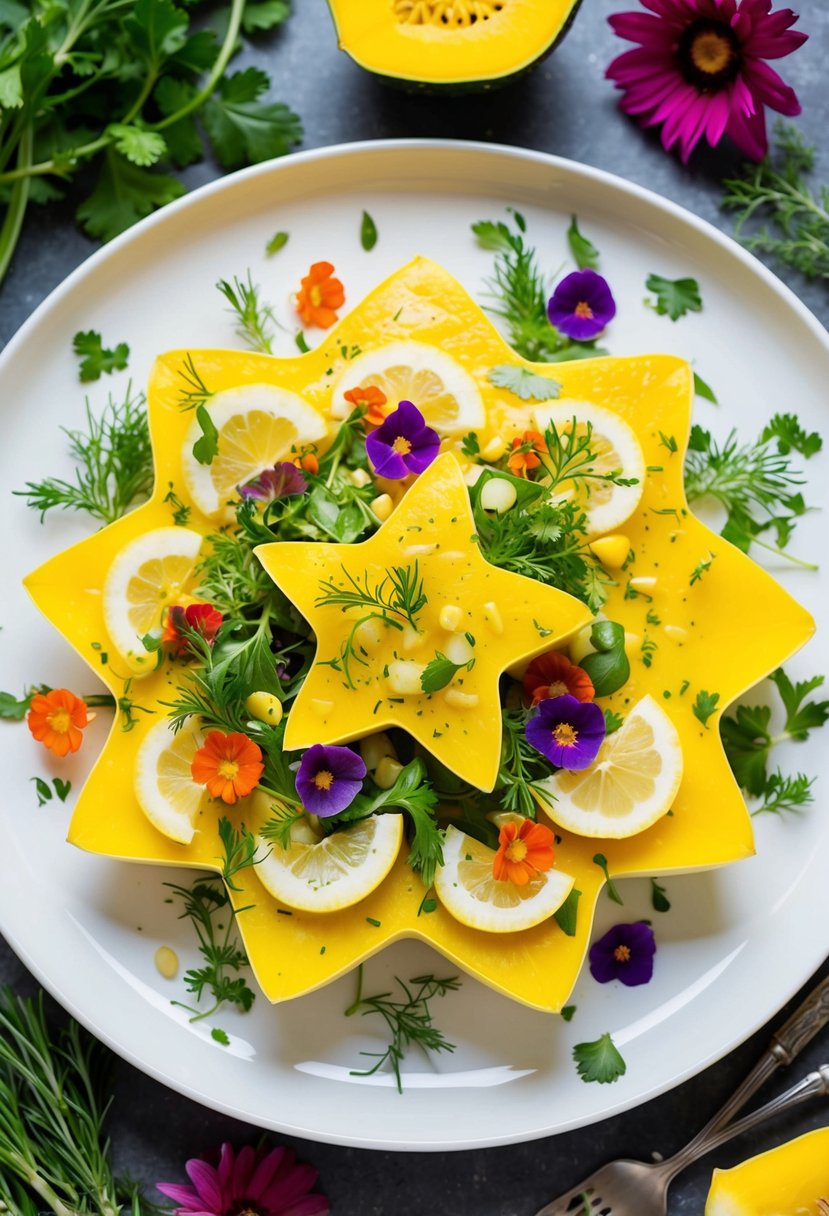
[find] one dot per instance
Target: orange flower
(552, 675)
(524, 453)
(372, 399)
(523, 850)
(229, 765)
(57, 718)
(202, 618)
(319, 295)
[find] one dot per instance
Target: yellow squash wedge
(790, 1180)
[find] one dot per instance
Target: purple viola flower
(569, 732)
(624, 953)
(403, 444)
(282, 481)
(581, 305)
(329, 779)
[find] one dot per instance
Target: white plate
(736, 944)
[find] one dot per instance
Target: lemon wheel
(148, 575)
(164, 786)
(630, 785)
(443, 391)
(329, 873)
(466, 887)
(616, 449)
(258, 424)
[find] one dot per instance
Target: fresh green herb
(207, 906)
(14, 709)
(704, 390)
(669, 442)
(705, 705)
(585, 254)
(96, 358)
(524, 383)
(43, 790)
(567, 915)
(702, 567)
(567, 1012)
(115, 465)
(368, 232)
(278, 241)
(674, 297)
(790, 435)
(659, 898)
(612, 890)
(440, 672)
(408, 1020)
(612, 721)
(470, 445)
(607, 664)
(220, 1036)
(523, 772)
(647, 651)
(301, 345)
(253, 317)
(206, 447)
(784, 794)
(599, 1061)
(748, 740)
(194, 392)
(109, 93)
(755, 483)
(181, 512)
(776, 193)
(62, 788)
(239, 851)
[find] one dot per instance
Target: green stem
(358, 1000)
(222, 60)
(13, 223)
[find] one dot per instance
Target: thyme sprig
(254, 317)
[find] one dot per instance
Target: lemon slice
(333, 872)
(466, 888)
(631, 783)
(258, 424)
(616, 449)
(146, 577)
(164, 786)
(446, 395)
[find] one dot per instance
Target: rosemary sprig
(207, 906)
(115, 464)
(254, 318)
(409, 1020)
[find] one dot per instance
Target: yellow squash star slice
(720, 633)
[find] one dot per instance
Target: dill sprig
(520, 784)
(207, 906)
(775, 191)
(53, 1152)
(194, 391)
(409, 1020)
(786, 794)
(115, 464)
(254, 318)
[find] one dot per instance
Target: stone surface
(567, 108)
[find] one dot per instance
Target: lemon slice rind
(165, 790)
(498, 906)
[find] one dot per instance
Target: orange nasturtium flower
(319, 296)
(372, 399)
(57, 719)
(525, 453)
(552, 675)
(523, 850)
(229, 765)
(306, 459)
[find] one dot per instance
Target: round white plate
(736, 943)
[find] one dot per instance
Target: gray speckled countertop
(564, 107)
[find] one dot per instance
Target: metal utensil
(637, 1188)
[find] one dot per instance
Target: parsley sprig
(599, 1060)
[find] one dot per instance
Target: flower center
(556, 689)
(401, 445)
(709, 55)
(315, 296)
(324, 779)
(583, 309)
(60, 721)
(621, 954)
(565, 734)
(517, 850)
(228, 769)
(244, 1207)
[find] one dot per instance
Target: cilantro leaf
(788, 432)
(674, 297)
(13, 709)
(524, 383)
(585, 254)
(184, 143)
(265, 15)
(136, 144)
(124, 194)
(207, 447)
(96, 358)
(701, 389)
(157, 30)
(599, 1061)
(800, 717)
(705, 705)
(747, 741)
(243, 129)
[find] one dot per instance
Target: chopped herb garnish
(674, 297)
(523, 383)
(701, 389)
(705, 705)
(206, 447)
(566, 916)
(96, 358)
(599, 1061)
(278, 241)
(254, 318)
(567, 1012)
(368, 232)
(585, 254)
(659, 898)
(785, 794)
(612, 890)
(207, 905)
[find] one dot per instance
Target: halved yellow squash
(790, 1180)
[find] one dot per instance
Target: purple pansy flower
(581, 305)
(624, 953)
(254, 1181)
(567, 731)
(403, 444)
(282, 481)
(329, 779)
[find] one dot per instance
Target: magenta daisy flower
(699, 70)
(256, 1182)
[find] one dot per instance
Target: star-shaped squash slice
(701, 618)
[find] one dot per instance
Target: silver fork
(637, 1188)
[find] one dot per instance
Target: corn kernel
(382, 506)
(643, 582)
(404, 677)
(459, 699)
(493, 618)
(450, 617)
(498, 495)
(612, 551)
(166, 962)
(375, 748)
(359, 478)
(265, 707)
(387, 772)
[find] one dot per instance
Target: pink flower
(257, 1182)
(699, 70)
